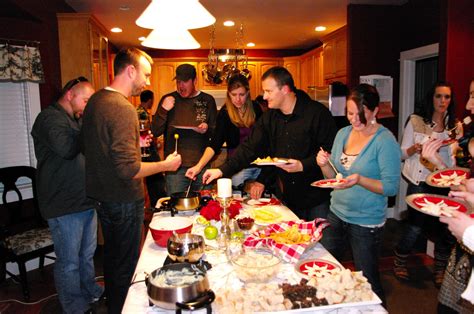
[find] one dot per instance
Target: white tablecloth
(153, 256)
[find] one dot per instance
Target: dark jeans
(417, 223)
(365, 245)
(121, 226)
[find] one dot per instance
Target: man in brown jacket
(114, 169)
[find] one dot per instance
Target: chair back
(21, 213)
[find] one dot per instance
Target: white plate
(185, 127)
(278, 161)
(275, 210)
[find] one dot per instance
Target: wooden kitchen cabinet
(292, 64)
(335, 56)
(311, 69)
(257, 70)
(83, 48)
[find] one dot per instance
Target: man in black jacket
(295, 128)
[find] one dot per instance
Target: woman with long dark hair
(426, 130)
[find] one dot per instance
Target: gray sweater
(112, 149)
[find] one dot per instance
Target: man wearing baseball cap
(191, 115)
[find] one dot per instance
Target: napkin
(288, 252)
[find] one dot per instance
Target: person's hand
(415, 149)
(193, 172)
(293, 165)
(458, 223)
(202, 128)
(467, 185)
(168, 103)
(349, 182)
(210, 175)
(173, 161)
(147, 140)
(256, 190)
(430, 152)
(467, 196)
(322, 159)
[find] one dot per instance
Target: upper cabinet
(292, 64)
(311, 69)
(335, 56)
(83, 48)
(164, 71)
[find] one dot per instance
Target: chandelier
(223, 63)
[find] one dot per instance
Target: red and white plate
(314, 267)
(436, 205)
(329, 183)
(448, 141)
(448, 177)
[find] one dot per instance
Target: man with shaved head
(62, 197)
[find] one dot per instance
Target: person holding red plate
(368, 156)
(423, 152)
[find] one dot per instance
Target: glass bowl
(256, 265)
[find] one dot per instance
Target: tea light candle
(224, 187)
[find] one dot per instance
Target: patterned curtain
(20, 63)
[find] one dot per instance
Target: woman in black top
(234, 124)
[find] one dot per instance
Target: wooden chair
(24, 235)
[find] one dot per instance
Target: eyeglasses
(69, 85)
(441, 95)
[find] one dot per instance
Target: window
(19, 106)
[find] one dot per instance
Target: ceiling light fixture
(320, 28)
(223, 63)
(172, 38)
(251, 45)
(188, 14)
(116, 30)
(229, 23)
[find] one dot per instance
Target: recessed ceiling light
(124, 7)
(320, 28)
(251, 45)
(141, 38)
(116, 30)
(229, 23)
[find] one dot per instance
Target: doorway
(408, 70)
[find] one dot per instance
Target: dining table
(221, 275)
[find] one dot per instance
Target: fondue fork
(330, 163)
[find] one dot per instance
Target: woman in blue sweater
(368, 156)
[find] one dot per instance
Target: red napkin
(289, 252)
(272, 201)
(213, 210)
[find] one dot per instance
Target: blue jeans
(318, 211)
(365, 244)
(176, 181)
(75, 241)
(245, 174)
(121, 225)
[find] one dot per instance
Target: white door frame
(408, 60)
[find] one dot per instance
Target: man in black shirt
(295, 127)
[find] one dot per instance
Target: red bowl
(162, 228)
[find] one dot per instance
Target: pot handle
(162, 204)
(207, 298)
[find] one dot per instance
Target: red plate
(448, 141)
(433, 178)
(422, 201)
(329, 183)
(302, 266)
